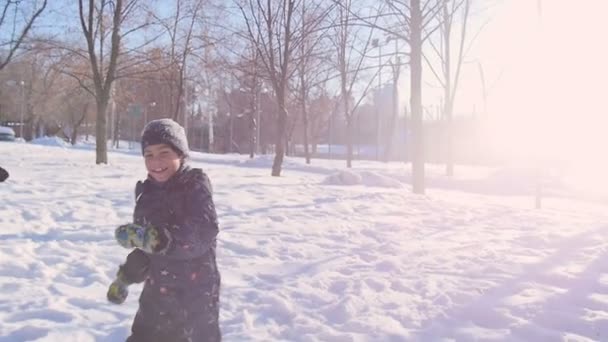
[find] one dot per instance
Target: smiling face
(161, 162)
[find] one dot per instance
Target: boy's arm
(196, 231)
(190, 237)
(134, 270)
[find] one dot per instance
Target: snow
(320, 254)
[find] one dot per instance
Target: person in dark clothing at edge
(173, 237)
(3, 174)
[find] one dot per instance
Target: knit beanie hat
(165, 131)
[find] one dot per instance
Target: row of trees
(289, 35)
(288, 65)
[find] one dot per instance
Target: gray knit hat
(165, 131)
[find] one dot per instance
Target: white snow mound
(50, 141)
(375, 179)
(366, 178)
(343, 178)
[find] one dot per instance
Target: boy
(174, 233)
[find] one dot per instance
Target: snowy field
(315, 255)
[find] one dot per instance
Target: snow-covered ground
(320, 254)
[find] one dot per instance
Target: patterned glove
(148, 238)
(118, 291)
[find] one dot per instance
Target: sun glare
(550, 104)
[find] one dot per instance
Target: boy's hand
(117, 292)
(148, 239)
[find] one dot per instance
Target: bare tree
(419, 18)
(101, 21)
(414, 21)
(181, 29)
(38, 86)
(311, 59)
(74, 106)
(41, 84)
(248, 72)
(92, 24)
(320, 112)
(352, 43)
(20, 27)
(272, 22)
(448, 77)
(390, 127)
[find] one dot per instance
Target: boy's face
(161, 162)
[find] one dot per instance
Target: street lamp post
(22, 84)
(539, 171)
(257, 120)
(376, 43)
(152, 105)
(210, 127)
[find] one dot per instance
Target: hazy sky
(549, 99)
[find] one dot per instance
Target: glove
(148, 238)
(118, 290)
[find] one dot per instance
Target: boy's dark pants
(203, 308)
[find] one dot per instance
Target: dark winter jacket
(3, 174)
(180, 299)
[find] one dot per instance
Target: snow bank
(50, 141)
(367, 178)
(343, 178)
(375, 179)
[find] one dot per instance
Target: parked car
(7, 134)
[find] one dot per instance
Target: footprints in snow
(43, 315)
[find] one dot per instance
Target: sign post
(134, 112)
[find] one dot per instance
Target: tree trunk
(117, 118)
(539, 188)
(252, 132)
(78, 124)
(280, 139)
(449, 169)
(305, 118)
(304, 98)
(416, 98)
(390, 129)
(287, 150)
(74, 135)
(349, 142)
(180, 95)
(349, 121)
(230, 133)
(100, 131)
(406, 146)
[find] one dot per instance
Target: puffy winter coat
(180, 298)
